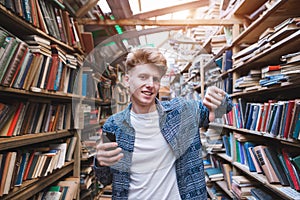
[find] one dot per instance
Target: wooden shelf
(259, 177)
(44, 94)
(31, 187)
(262, 179)
(290, 142)
(223, 186)
(280, 11)
(247, 7)
(28, 139)
(272, 55)
(16, 24)
(265, 90)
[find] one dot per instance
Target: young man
(158, 154)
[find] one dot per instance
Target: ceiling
(179, 27)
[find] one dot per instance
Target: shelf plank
(247, 7)
(272, 55)
(262, 179)
(265, 90)
(288, 141)
(223, 186)
(18, 141)
(279, 11)
(48, 94)
(32, 187)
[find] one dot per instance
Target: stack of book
(241, 186)
(214, 173)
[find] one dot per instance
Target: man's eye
(143, 77)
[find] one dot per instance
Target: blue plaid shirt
(179, 121)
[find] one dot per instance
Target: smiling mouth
(147, 93)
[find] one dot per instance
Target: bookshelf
(66, 98)
(269, 22)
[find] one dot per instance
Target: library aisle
(63, 77)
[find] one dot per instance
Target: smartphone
(108, 137)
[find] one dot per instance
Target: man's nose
(150, 81)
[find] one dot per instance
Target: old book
(291, 105)
(17, 82)
(14, 64)
(15, 119)
(71, 148)
(23, 165)
(10, 172)
(62, 147)
(255, 161)
(286, 157)
(294, 119)
(41, 20)
(27, 10)
(72, 188)
(29, 163)
(54, 193)
(32, 71)
(278, 168)
(53, 72)
(5, 168)
(10, 48)
(265, 164)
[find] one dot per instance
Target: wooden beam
(85, 8)
(146, 22)
(172, 9)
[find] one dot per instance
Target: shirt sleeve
(102, 173)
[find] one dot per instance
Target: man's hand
(108, 153)
(213, 99)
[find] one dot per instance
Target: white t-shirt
(153, 175)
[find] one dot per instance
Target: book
(274, 127)
(21, 171)
(72, 186)
(10, 48)
(14, 64)
(294, 119)
(71, 148)
(15, 119)
(260, 194)
(62, 147)
(288, 163)
(4, 169)
(9, 173)
(255, 161)
(288, 118)
(278, 168)
(265, 164)
(250, 162)
(54, 193)
(29, 163)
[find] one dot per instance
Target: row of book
(268, 38)
(51, 17)
(280, 166)
(21, 165)
(29, 117)
(65, 189)
(277, 118)
(34, 64)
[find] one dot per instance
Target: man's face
(144, 84)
